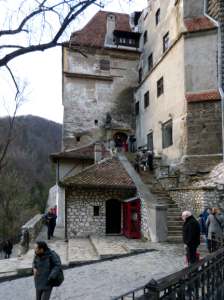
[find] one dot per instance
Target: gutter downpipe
(220, 87)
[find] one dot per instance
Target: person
(55, 210)
(191, 236)
(132, 141)
(50, 218)
(24, 241)
(144, 160)
(214, 224)
(7, 248)
(118, 143)
(150, 160)
(137, 162)
(46, 266)
(202, 221)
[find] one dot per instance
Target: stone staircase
(174, 221)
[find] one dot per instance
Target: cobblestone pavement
(102, 281)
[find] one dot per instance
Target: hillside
(25, 180)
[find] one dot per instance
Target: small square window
(146, 99)
(104, 65)
(145, 37)
(137, 108)
(150, 62)
(96, 211)
(160, 87)
(78, 138)
(166, 42)
(157, 16)
(96, 122)
(167, 134)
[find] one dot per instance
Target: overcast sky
(42, 72)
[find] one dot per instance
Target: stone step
(175, 239)
(81, 250)
(173, 214)
(174, 223)
(173, 205)
(175, 232)
(174, 219)
(173, 210)
(175, 227)
(107, 247)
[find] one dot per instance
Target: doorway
(113, 217)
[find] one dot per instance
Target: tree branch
(72, 14)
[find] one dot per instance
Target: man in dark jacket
(50, 218)
(46, 265)
(191, 236)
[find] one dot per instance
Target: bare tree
(29, 26)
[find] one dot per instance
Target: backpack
(57, 281)
(59, 278)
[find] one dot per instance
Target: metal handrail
(204, 279)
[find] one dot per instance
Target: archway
(113, 216)
(120, 139)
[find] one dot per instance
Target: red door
(132, 219)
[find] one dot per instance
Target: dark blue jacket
(47, 267)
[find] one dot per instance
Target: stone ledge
(203, 188)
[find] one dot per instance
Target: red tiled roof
(85, 153)
(203, 96)
(198, 24)
(93, 34)
(105, 174)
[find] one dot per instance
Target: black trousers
(43, 294)
(191, 254)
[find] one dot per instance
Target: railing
(201, 281)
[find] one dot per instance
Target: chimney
(111, 25)
(98, 155)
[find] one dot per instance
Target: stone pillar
(158, 223)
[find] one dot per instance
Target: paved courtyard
(104, 280)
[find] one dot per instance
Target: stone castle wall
(196, 199)
(204, 127)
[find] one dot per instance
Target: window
(145, 37)
(146, 99)
(150, 141)
(167, 134)
(104, 65)
(150, 62)
(160, 87)
(157, 16)
(96, 122)
(166, 42)
(96, 211)
(140, 75)
(136, 108)
(78, 138)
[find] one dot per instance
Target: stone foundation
(80, 210)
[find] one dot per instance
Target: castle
(152, 80)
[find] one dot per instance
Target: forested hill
(28, 174)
